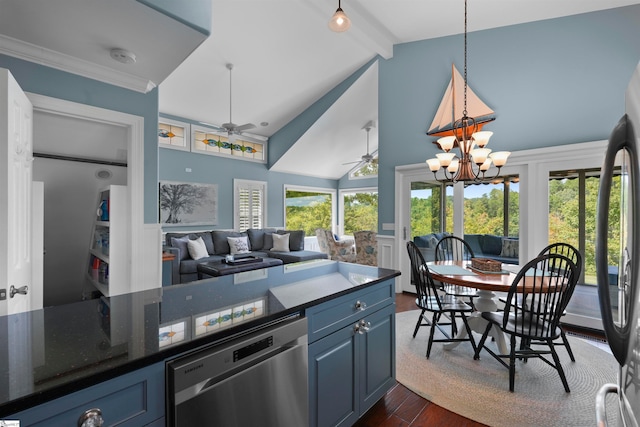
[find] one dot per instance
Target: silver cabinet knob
(91, 418)
(362, 327)
(361, 305)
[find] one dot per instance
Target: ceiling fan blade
(216, 127)
(244, 127)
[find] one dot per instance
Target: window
(309, 208)
(366, 170)
(426, 211)
(249, 204)
(359, 210)
(211, 141)
(173, 134)
(573, 197)
(488, 211)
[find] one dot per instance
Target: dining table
(485, 283)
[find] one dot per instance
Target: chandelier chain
(464, 112)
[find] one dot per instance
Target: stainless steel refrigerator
(620, 305)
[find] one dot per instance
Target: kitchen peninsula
(112, 352)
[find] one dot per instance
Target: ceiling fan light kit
(339, 22)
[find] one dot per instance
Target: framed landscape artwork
(188, 203)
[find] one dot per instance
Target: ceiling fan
(366, 158)
(230, 127)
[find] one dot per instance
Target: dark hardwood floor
(402, 408)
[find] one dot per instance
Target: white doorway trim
(135, 177)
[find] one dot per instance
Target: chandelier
(465, 133)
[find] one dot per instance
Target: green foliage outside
(564, 219)
(309, 211)
(313, 211)
(360, 212)
(425, 214)
(485, 215)
(368, 169)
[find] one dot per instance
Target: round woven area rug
(479, 389)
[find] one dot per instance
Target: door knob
(21, 290)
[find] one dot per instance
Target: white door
(16, 160)
(419, 209)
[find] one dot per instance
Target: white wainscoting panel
(386, 251)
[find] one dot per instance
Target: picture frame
(188, 203)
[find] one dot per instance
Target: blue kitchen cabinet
(134, 399)
(352, 362)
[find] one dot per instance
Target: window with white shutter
(249, 204)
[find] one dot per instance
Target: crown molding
(50, 58)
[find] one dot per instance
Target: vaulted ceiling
(285, 57)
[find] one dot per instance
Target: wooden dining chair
(430, 300)
(574, 255)
(453, 248)
(546, 283)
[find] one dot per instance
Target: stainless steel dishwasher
(259, 378)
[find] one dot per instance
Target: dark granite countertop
(58, 350)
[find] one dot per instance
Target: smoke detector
(123, 55)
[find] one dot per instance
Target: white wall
(70, 196)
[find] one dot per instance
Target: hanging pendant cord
(230, 88)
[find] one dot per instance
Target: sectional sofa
(503, 249)
(188, 250)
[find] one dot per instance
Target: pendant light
(339, 22)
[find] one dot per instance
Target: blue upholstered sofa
(260, 241)
(499, 248)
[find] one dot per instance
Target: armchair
(342, 250)
(366, 247)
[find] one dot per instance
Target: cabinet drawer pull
(91, 418)
(362, 327)
(361, 305)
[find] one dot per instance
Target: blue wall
(223, 170)
(59, 84)
(552, 82)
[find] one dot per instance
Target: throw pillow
(509, 248)
(238, 245)
(197, 248)
(280, 242)
(268, 241)
(181, 244)
(296, 239)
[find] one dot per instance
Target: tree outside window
(308, 210)
(360, 210)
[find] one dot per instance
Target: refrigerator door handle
(601, 403)
(622, 137)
